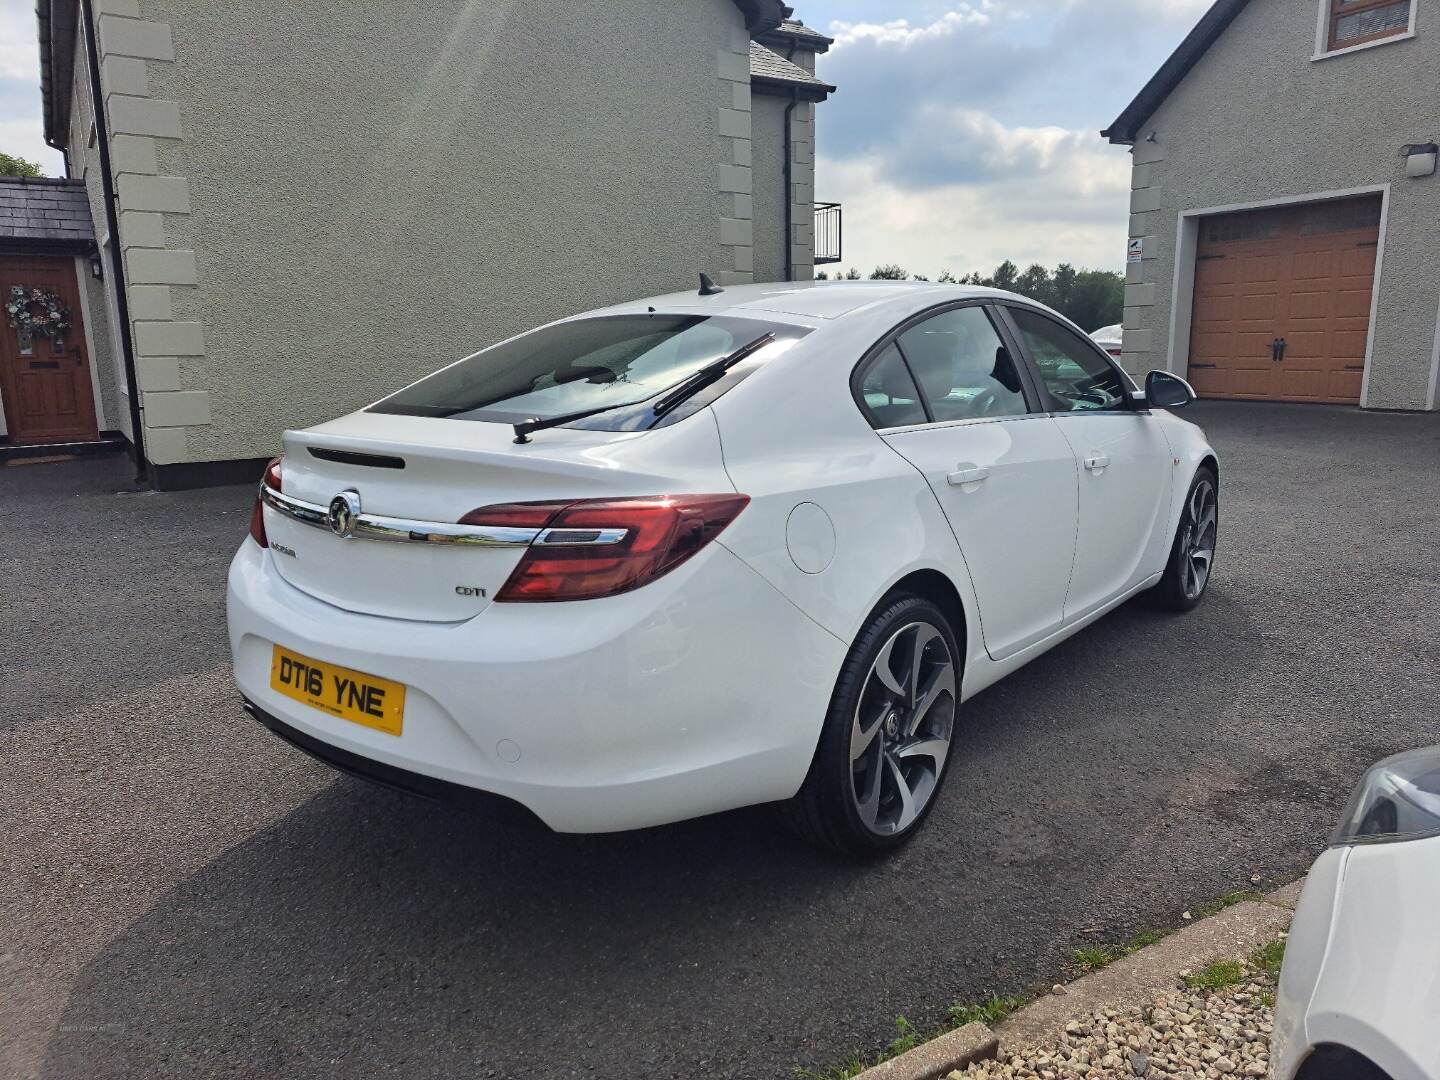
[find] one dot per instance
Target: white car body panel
(630, 717)
(1125, 472)
(1362, 963)
(706, 689)
(1015, 525)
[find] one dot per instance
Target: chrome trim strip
(577, 537)
(399, 530)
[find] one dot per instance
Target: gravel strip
(1187, 1034)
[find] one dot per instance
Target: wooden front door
(44, 379)
(1282, 302)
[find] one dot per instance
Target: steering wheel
(983, 403)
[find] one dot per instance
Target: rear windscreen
(608, 362)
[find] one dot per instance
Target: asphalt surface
(184, 895)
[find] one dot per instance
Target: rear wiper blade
(710, 373)
(523, 429)
(692, 384)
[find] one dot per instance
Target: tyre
(888, 733)
(1192, 556)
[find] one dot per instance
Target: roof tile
(44, 209)
(765, 64)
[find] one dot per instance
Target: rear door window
(888, 393)
(964, 370)
(609, 362)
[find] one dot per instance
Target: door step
(106, 444)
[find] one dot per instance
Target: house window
(1355, 22)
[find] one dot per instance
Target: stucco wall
(371, 191)
(769, 177)
(1259, 119)
(769, 180)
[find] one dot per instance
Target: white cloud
(22, 137)
(19, 48)
(901, 34)
(971, 136)
(1050, 196)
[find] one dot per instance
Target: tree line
(1089, 298)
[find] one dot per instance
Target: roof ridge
(56, 181)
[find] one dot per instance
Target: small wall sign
(1137, 250)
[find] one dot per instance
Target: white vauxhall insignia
(711, 550)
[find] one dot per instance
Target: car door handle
(968, 474)
(1097, 462)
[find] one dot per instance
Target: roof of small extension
(44, 215)
(796, 33)
(772, 73)
(1212, 24)
(58, 20)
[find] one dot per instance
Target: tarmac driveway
(183, 895)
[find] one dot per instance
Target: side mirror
(1166, 391)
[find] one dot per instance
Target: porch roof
(45, 215)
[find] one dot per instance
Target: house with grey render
(1285, 207)
(295, 208)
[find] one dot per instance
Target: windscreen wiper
(523, 429)
(690, 386)
(708, 374)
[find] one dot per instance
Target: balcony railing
(827, 232)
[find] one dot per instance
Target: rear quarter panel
(794, 435)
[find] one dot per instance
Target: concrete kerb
(1132, 981)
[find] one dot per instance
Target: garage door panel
(1306, 345)
(1358, 262)
(1310, 266)
(1259, 269)
(1214, 309)
(1349, 345)
(1212, 382)
(1353, 303)
(1333, 387)
(1257, 306)
(1311, 305)
(1213, 272)
(1304, 274)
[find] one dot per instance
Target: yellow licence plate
(351, 695)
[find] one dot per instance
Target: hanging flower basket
(37, 311)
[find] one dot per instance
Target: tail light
(257, 513)
(602, 547)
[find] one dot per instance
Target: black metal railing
(827, 232)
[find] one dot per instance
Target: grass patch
(1268, 958)
(1140, 941)
(988, 1012)
(848, 1071)
(908, 1036)
(1230, 899)
(1217, 976)
(1267, 998)
(1094, 957)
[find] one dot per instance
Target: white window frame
(1322, 35)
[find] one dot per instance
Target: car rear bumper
(704, 691)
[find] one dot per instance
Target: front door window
(1077, 377)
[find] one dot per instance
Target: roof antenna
(708, 287)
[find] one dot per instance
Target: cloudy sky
(964, 132)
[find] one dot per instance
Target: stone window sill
(1363, 46)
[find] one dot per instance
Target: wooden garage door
(1302, 275)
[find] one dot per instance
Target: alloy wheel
(1197, 546)
(901, 732)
